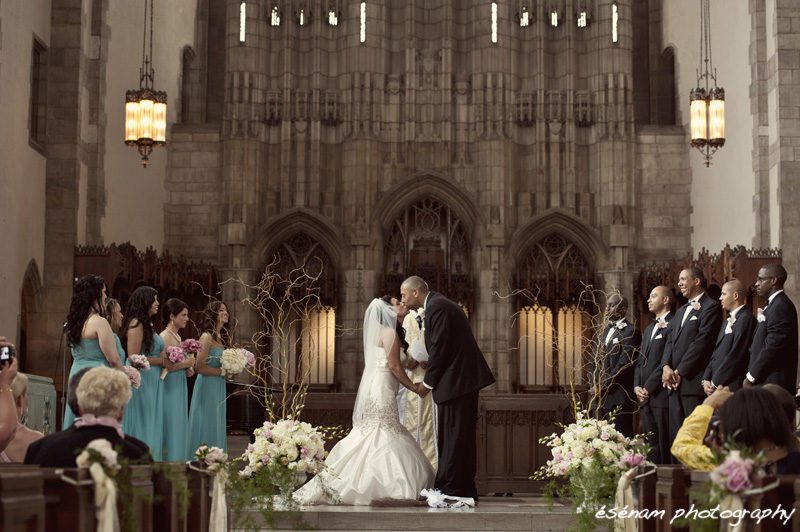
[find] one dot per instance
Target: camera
(6, 353)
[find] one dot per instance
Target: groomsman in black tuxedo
(653, 398)
(689, 348)
(773, 355)
(456, 373)
(732, 352)
(613, 365)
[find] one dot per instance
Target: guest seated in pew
(8, 412)
(751, 417)
(23, 436)
(789, 408)
(102, 395)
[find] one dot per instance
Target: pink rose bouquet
(176, 355)
(214, 458)
(133, 375)
(734, 473)
(191, 346)
(139, 362)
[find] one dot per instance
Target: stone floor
(501, 513)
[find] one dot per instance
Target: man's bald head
(413, 292)
(660, 300)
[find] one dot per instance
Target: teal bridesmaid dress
(144, 415)
(207, 415)
(175, 405)
(85, 354)
(121, 351)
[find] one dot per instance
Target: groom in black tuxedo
(456, 372)
(773, 355)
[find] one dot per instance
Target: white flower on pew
(101, 461)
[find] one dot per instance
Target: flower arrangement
(235, 359)
(133, 375)
(176, 355)
(139, 362)
(290, 444)
(593, 455)
(99, 451)
(214, 458)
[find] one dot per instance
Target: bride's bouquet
(176, 355)
(235, 359)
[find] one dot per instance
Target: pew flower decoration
(134, 376)
(593, 456)
(214, 462)
(139, 362)
(176, 355)
(235, 359)
(101, 461)
(287, 444)
(214, 458)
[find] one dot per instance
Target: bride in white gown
(379, 459)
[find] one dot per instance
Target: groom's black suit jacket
(773, 354)
(456, 365)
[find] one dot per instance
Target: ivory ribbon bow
(219, 506)
(105, 499)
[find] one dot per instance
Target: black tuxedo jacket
(773, 355)
(62, 448)
(731, 355)
(689, 348)
(456, 365)
(613, 365)
(648, 367)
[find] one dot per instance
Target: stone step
(501, 513)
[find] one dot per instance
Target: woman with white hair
(23, 437)
(102, 395)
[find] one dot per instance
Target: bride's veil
(379, 314)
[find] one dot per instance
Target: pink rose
(175, 354)
(604, 436)
(133, 375)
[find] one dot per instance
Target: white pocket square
(657, 337)
(728, 330)
(616, 340)
(693, 318)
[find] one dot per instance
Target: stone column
(67, 77)
(759, 110)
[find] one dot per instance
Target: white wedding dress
(379, 459)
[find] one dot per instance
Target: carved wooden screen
(427, 239)
(554, 325)
(310, 343)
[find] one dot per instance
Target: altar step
(501, 513)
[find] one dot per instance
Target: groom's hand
(422, 390)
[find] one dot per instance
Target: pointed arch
(298, 220)
(30, 305)
(432, 184)
(586, 238)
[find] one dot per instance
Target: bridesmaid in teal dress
(207, 418)
(174, 396)
(114, 317)
(143, 417)
(88, 333)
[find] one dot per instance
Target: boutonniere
(621, 325)
(761, 315)
(661, 323)
(696, 305)
(731, 320)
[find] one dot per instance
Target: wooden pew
(646, 495)
(167, 515)
(141, 477)
(22, 503)
(671, 494)
(782, 495)
(70, 505)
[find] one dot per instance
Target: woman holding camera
(89, 335)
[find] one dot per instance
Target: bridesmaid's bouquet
(139, 362)
(176, 355)
(133, 375)
(235, 359)
(191, 346)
